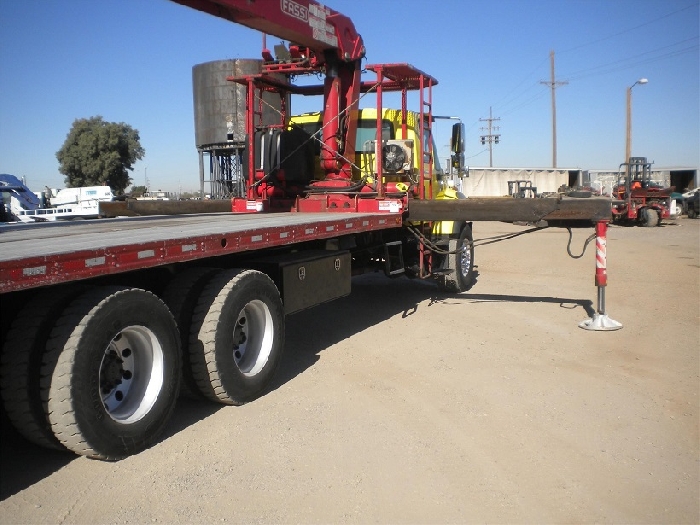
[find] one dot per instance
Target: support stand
(600, 321)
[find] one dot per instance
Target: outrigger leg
(600, 321)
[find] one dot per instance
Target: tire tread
(205, 325)
(58, 376)
(21, 363)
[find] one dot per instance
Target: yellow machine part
(446, 227)
(365, 162)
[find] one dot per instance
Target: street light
(628, 143)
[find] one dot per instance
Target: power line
(640, 62)
(612, 67)
(506, 100)
(477, 154)
(506, 110)
(505, 97)
(624, 63)
(529, 101)
(629, 29)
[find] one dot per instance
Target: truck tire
(237, 336)
(20, 365)
(111, 373)
(580, 194)
(180, 296)
(650, 217)
(461, 260)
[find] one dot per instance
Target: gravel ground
(400, 404)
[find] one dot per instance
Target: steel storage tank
(219, 104)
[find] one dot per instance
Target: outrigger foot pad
(600, 322)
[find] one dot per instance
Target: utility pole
(553, 84)
(490, 137)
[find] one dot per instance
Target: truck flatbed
(40, 254)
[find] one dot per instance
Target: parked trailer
(65, 204)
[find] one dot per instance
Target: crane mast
(321, 40)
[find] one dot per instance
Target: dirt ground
(400, 404)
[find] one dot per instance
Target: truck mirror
(457, 142)
(457, 147)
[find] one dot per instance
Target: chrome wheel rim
(131, 374)
(253, 338)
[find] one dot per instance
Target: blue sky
(131, 61)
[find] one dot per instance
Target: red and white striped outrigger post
(600, 321)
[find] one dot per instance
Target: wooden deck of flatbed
(34, 255)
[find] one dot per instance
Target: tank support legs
(600, 321)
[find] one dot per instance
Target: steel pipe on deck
(563, 210)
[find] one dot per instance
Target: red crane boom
(303, 22)
(326, 38)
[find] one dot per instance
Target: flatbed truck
(104, 323)
(103, 320)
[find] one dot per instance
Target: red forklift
(639, 200)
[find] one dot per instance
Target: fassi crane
(321, 40)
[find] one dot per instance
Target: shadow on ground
(374, 299)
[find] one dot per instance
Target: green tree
(137, 191)
(99, 153)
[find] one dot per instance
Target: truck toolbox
(308, 278)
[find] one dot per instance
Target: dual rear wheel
(110, 373)
(235, 334)
(98, 370)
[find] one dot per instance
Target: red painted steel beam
(303, 22)
(31, 271)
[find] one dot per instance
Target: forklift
(637, 199)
